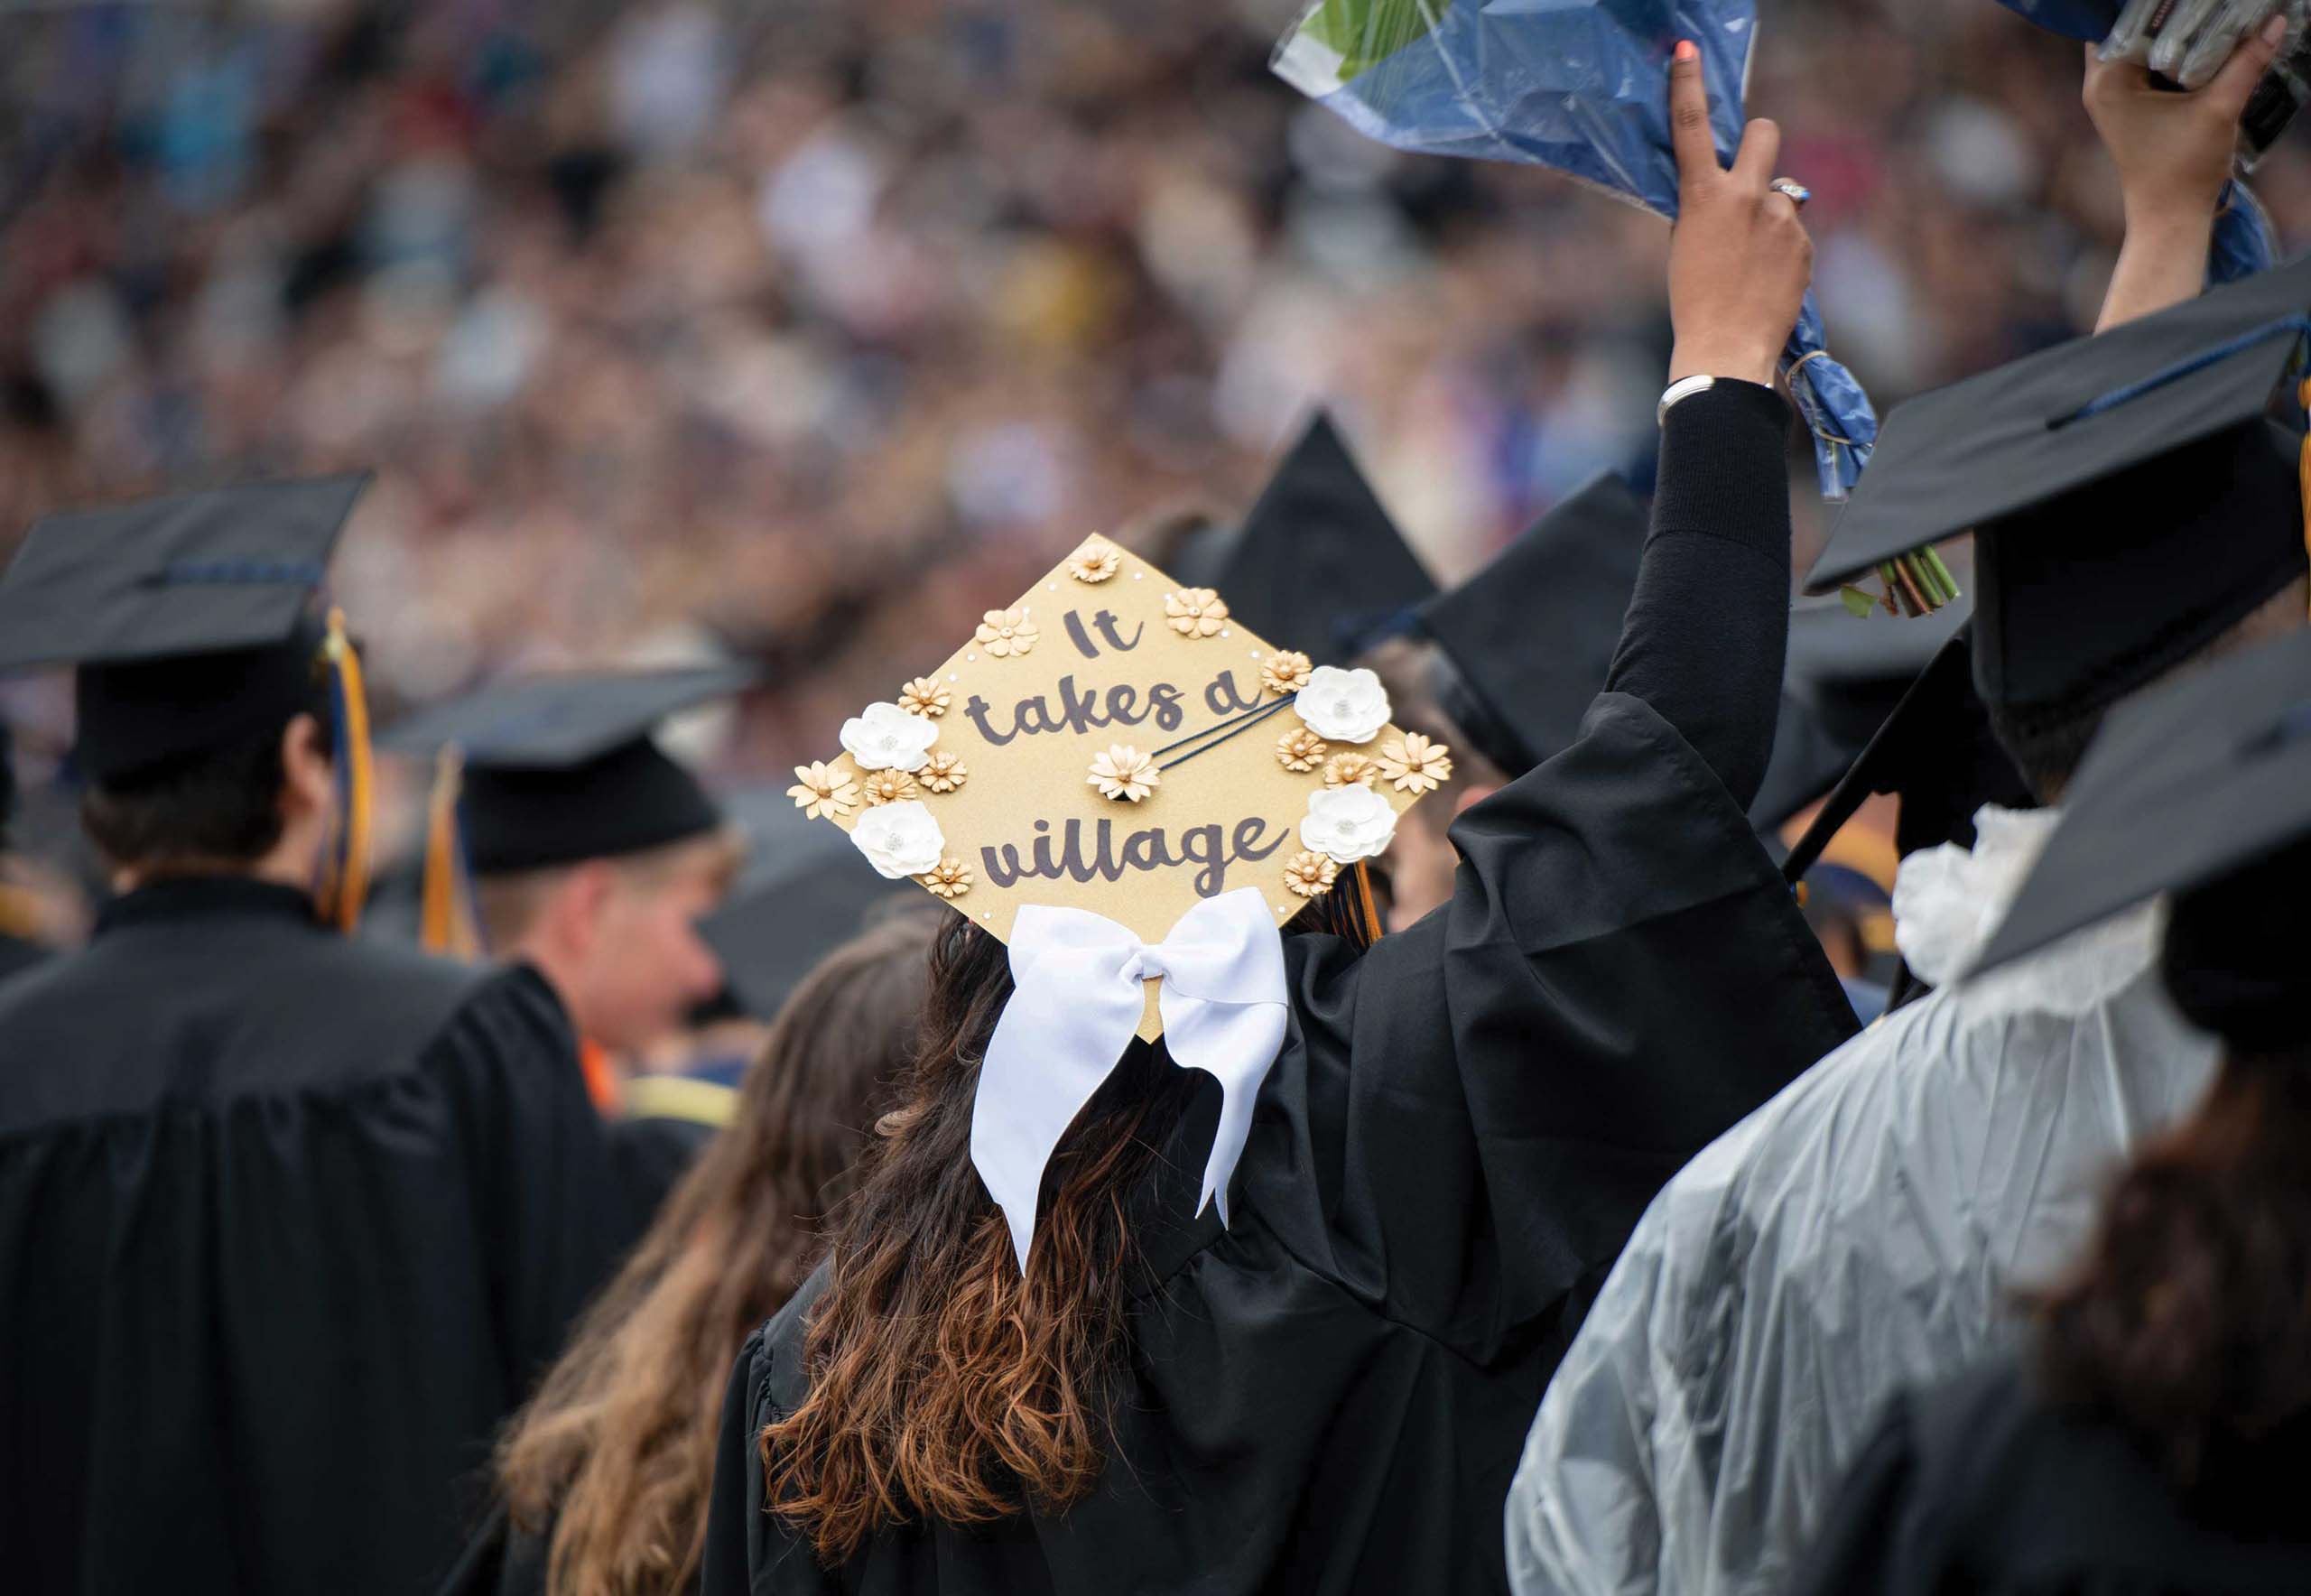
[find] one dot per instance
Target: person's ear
(582, 906)
(308, 778)
(1474, 793)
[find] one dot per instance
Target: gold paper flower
(1286, 673)
(1350, 770)
(1096, 560)
(888, 786)
(1309, 874)
(1195, 612)
(1414, 764)
(943, 772)
(1126, 772)
(1003, 632)
(927, 697)
(1301, 749)
(952, 879)
(824, 790)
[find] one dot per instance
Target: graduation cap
(1317, 561)
(1845, 675)
(1936, 753)
(1120, 779)
(1529, 640)
(560, 768)
(2201, 788)
(192, 619)
(2136, 493)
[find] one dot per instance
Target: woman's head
(617, 1450)
(2191, 1320)
(943, 1384)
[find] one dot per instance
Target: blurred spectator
(827, 325)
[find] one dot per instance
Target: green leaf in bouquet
(1365, 33)
(1859, 603)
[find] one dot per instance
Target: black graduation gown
(1462, 1128)
(288, 1223)
(18, 955)
(1981, 1486)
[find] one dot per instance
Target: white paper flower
(900, 840)
(1344, 706)
(1344, 824)
(886, 737)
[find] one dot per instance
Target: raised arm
(1709, 621)
(2174, 152)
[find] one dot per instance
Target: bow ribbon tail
(1075, 1005)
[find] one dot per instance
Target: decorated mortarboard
(554, 769)
(1935, 752)
(804, 892)
(1136, 791)
(2136, 493)
(1844, 676)
(1317, 560)
(194, 620)
(2185, 788)
(1529, 640)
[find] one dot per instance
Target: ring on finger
(1796, 193)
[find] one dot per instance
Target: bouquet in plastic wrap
(1581, 87)
(2186, 42)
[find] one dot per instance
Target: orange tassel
(446, 921)
(2303, 471)
(1366, 909)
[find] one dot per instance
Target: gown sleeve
(550, 1210)
(1471, 1115)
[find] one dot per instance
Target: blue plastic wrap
(2244, 240)
(1578, 86)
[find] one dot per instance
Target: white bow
(1075, 1005)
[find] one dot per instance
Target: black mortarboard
(2184, 789)
(190, 617)
(1935, 752)
(1317, 561)
(562, 768)
(806, 891)
(1527, 641)
(2136, 493)
(1844, 676)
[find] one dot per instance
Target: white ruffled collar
(1948, 901)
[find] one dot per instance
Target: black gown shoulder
(1462, 1126)
(288, 1224)
(1982, 1485)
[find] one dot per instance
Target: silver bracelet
(1683, 388)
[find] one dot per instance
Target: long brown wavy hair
(944, 1386)
(615, 1451)
(2190, 1322)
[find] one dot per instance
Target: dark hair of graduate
(944, 1384)
(2189, 1323)
(617, 1450)
(220, 806)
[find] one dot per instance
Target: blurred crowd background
(808, 330)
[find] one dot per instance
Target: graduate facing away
(1217, 1246)
(288, 1222)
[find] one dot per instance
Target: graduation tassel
(2303, 468)
(446, 922)
(1366, 911)
(344, 883)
